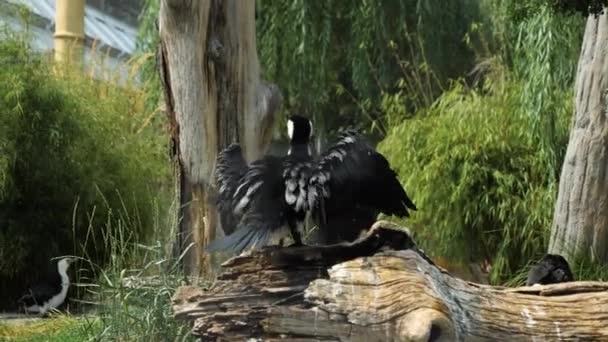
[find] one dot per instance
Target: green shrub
(483, 190)
(483, 164)
(76, 155)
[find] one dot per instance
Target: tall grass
(58, 329)
(127, 296)
(129, 299)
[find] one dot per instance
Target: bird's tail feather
(240, 240)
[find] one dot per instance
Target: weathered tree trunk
(580, 224)
(382, 288)
(214, 95)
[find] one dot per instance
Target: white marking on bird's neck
(62, 268)
(300, 149)
(290, 129)
(311, 129)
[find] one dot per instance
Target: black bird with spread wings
(343, 190)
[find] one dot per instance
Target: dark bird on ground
(51, 291)
(551, 269)
(343, 190)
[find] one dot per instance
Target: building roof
(105, 29)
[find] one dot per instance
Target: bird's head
(64, 262)
(299, 129)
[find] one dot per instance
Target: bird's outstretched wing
(259, 202)
(230, 167)
(352, 180)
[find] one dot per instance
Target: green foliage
(132, 293)
(483, 190)
(56, 329)
(516, 27)
(545, 52)
(483, 163)
(337, 60)
(74, 152)
(584, 269)
(541, 46)
(147, 43)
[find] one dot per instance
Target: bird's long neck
(299, 150)
(62, 268)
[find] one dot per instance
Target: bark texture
(214, 95)
(381, 288)
(580, 224)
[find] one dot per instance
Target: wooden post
(69, 30)
(580, 219)
(215, 96)
(382, 288)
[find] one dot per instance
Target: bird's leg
(295, 233)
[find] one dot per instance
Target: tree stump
(215, 96)
(381, 288)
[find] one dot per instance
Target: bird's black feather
(350, 185)
(551, 269)
(241, 239)
(296, 175)
(230, 167)
(42, 292)
(259, 202)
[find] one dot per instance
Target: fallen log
(381, 288)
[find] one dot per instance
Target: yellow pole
(69, 30)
